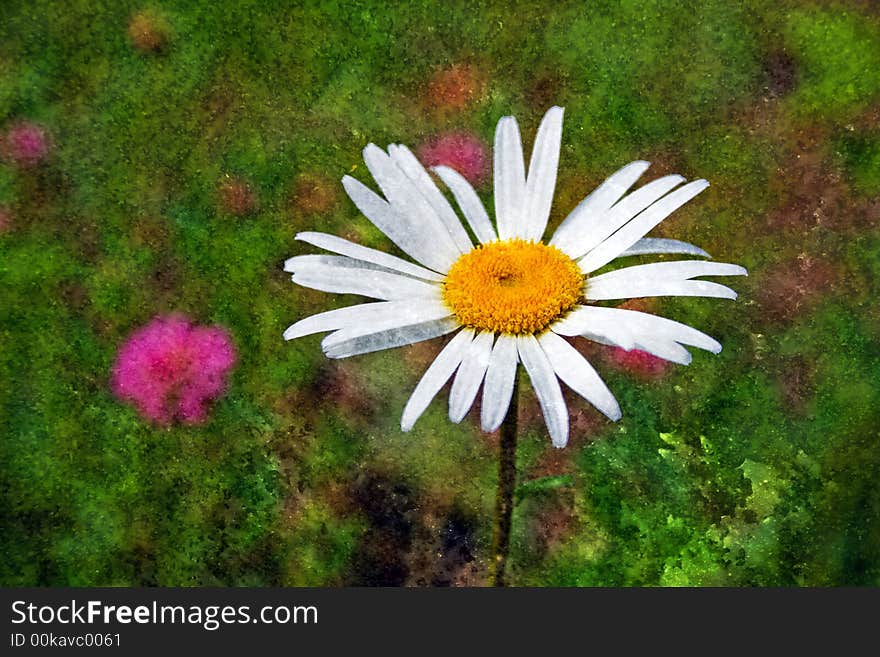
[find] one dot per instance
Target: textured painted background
(160, 158)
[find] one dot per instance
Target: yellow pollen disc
(515, 286)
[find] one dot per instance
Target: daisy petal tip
(611, 410)
(443, 171)
(455, 419)
(638, 167)
(506, 123)
(559, 441)
(409, 418)
(304, 235)
(487, 425)
(332, 352)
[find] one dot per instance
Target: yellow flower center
(513, 286)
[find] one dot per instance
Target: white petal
(398, 188)
(628, 207)
(666, 349)
(627, 290)
(610, 329)
(510, 179)
(435, 377)
(613, 338)
(366, 282)
(663, 279)
(498, 387)
(470, 376)
(407, 311)
(404, 197)
(675, 270)
(416, 240)
(658, 245)
(308, 261)
(352, 250)
(426, 187)
(378, 325)
(582, 219)
(592, 323)
(546, 387)
(469, 202)
(636, 228)
(345, 343)
(577, 373)
(630, 326)
(541, 181)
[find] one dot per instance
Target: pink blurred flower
(461, 151)
(639, 362)
(26, 144)
(170, 369)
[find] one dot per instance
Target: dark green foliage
(758, 466)
(840, 53)
(861, 157)
(543, 485)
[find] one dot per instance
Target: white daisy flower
(512, 298)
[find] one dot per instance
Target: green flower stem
(505, 495)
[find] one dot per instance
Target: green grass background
(758, 466)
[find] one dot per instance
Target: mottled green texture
(840, 52)
(861, 158)
(758, 466)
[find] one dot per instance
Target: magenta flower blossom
(457, 150)
(26, 144)
(170, 369)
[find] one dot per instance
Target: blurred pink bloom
(639, 362)
(170, 369)
(458, 150)
(26, 144)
